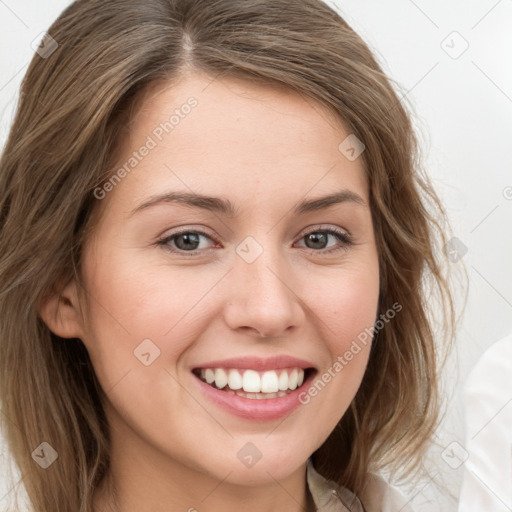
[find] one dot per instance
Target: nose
(262, 297)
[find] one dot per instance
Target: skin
(265, 149)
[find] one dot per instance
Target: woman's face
(213, 250)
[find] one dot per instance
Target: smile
(263, 394)
(251, 383)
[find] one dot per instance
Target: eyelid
(164, 240)
(344, 238)
(325, 227)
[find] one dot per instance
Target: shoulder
(494, 367)
(488, 437)
(486, 391)
(380, 496)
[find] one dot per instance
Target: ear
(61, 312)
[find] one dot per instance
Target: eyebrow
(226, 207)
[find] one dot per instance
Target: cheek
(347, 310)
(346, 303)
(130, 303)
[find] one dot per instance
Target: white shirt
(487, 478)
(379, 496)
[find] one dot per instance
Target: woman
(214, 239)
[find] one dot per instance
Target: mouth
(253, 384)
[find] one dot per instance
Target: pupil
(191, 241)
(318, 239)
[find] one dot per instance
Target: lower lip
(254, 409)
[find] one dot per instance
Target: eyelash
(343, 237)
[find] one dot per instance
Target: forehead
(233, 138)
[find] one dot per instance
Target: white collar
(328, 496)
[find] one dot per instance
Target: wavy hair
(62, 145)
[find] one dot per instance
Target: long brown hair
(62, 145)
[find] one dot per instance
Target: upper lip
(258, 363)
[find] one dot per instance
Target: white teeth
(300, 377)
(251, 381)
(292, 379)
(235, 379)
(221, 379)
(253, 384)
(257, 396)
(209, 375)
(283, 381)
(269, 383)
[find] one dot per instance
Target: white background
(463, 109)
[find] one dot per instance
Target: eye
(318, 240)
(185, 241)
